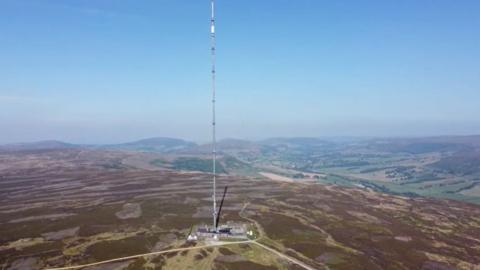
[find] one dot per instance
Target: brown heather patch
(320, 225)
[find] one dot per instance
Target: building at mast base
(229, 231)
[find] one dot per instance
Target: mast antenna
(214, 146)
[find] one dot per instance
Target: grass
(105, 250)
(237, 167)
(310, 219)
(260, 258)
(411, 189)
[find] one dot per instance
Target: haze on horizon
(108, 71)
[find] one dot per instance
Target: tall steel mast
(214, 146)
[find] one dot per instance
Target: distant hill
(426, 144)
(40, 145)
(461, 163)
(299, 141)
(157, 144)
(225, 146)
(271, 145)
(298, 145)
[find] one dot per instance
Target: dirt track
(290, 259)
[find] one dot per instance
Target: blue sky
(112, 71)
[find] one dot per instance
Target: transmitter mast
(214, 146)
